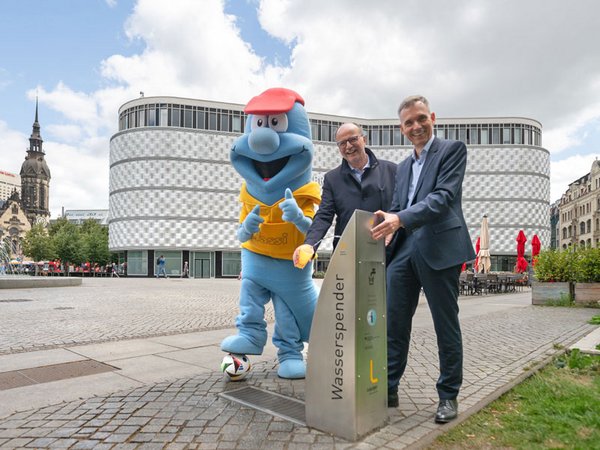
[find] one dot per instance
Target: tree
(67, 241)
(37, 244)
(95, 242)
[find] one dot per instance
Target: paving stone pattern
(500, 347)
(107, 309)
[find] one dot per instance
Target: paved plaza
(155, 346)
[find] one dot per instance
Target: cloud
(472, 58)
(532, 59)
(83, 178)
(567, 170)
(12, 142)
(192, 50)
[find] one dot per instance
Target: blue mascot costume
(274, 157)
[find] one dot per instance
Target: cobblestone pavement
(502, 345)
(105, 309)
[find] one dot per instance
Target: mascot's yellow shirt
(277, 238)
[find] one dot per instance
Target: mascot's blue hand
(291, 210)
(250, 225)
(252, 221)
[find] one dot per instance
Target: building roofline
(322, 116)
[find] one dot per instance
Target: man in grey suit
(431, 241)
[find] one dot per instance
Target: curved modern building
(174, 192)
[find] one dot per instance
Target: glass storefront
(232, 264)
(173, 262)
(203, 264)
(137, 262)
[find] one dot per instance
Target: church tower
(35, 178)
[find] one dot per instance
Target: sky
(83, 59)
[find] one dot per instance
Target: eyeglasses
(351, 140)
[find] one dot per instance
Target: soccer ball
(235, 366)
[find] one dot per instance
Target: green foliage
(319, 274)
(588, 265)
(580, 265)
(580, 361)
(95, 242)
(38, 244)
(69, 242)
(554, 265)
(595, 320)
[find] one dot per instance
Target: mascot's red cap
(273, 101)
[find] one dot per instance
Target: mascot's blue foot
(292, 369)
(240, 345)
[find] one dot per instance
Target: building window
(188, 118)
(325, 132)
(152, 117)
(385, 137)
(200, 123)
(589, 225)
(397, 135)
(141, 119)
(374, 139)
(163, 119)
(314, 131)
(473, 136)
(517, 135)
(495, 136)
(232, 263)
(224, 122)
(506, 136)
(175, 117)
(582, 228)
(212, 120)
(137, 262)
(485, 136)
(564, 233)
(173, 262)
(236, 124)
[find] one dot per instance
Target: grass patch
(565, 301)
(595, 320)
(555, 408)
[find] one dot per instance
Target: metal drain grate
(54, 372)
(275, 404)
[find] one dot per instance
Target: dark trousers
(407, 272)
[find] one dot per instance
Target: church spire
(35, 177)
(35, 141)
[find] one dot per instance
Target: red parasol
(476, 265)
(521, 265)
(536, 245)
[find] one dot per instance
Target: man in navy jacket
(431, 243)
(361, 181)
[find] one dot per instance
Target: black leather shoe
(447, 411)
(393, 399)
